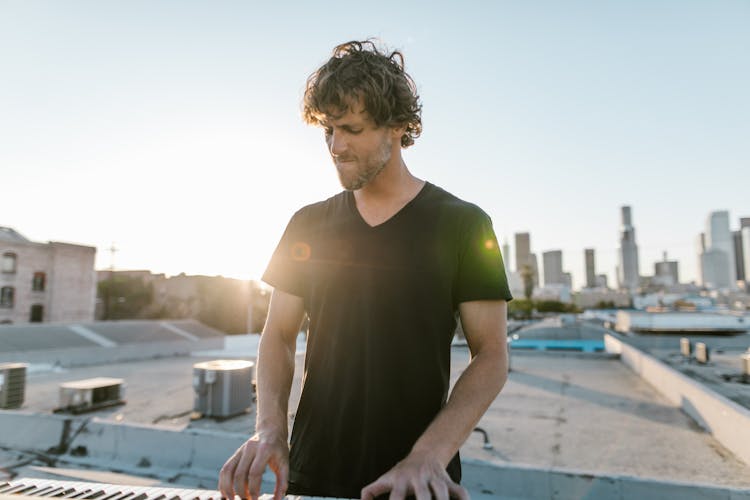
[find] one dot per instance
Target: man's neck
(387, 194)
(393, 185)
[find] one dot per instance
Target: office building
(523, 250)
(628, 270)
(553, 272)
(719, 265)
(590, 268)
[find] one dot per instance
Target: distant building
(557, 292)
(515, 283)
(43, 282)
(719, 266)
(590, 268)
(595, 297)
(553, 268)
(666, 272)
(715, 264)
(628, 273)
(601, 281)
(534, 269)
(523, 250)
(506, 257)
(745, 233)
(700, 249)
(567, 280)
(739, 255)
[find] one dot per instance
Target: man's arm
(242, 473)
(422, 472)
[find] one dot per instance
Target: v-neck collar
(358, 215)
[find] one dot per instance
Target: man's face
(360, 150)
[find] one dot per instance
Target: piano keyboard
(53, 488)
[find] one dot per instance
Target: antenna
(112, 250)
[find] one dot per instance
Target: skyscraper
(745, 232)
(719, 251)
(553, 268)
(700, 247)
(506, 257)
(524, 257)
(534, 269)
(590, 268)
(523, 250)
(739, 255)
(741, 251)
(628, 254)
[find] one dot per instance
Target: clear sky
(172, 128)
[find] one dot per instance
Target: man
(381, 270)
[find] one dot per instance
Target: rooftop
(561, 414)
(10, 234)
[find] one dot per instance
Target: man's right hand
(243, 472)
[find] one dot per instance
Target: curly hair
(359, 70)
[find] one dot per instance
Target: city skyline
(173, 128)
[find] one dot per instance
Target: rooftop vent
(223, 387)
(91, 394)
(12, 384)
(686, 348)
(701, 353)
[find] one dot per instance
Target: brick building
(45, 282)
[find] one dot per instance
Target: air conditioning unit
(91, 394)
(12, 384)
(223, 387)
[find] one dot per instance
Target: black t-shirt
(382, 304)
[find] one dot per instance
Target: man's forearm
(274, 382)
(474, 391)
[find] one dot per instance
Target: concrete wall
(514, 482)
(726, 420)
(86, 356)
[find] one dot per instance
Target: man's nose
(336, 144)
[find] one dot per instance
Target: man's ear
(398, 132)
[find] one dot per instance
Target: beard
(365, 169)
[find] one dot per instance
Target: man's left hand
(419, 475)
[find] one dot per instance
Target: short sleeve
(481, 272)
(288, 268)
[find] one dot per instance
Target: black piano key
(94, 494)
(21, 488)
(113, 494)
(5, 486)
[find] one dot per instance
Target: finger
(439, 489)
(282, 481)
(379, 487)
(458, 491)
(226, 476)
(239, 478)
(398, 492)
(421, 490)
(255, 474)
